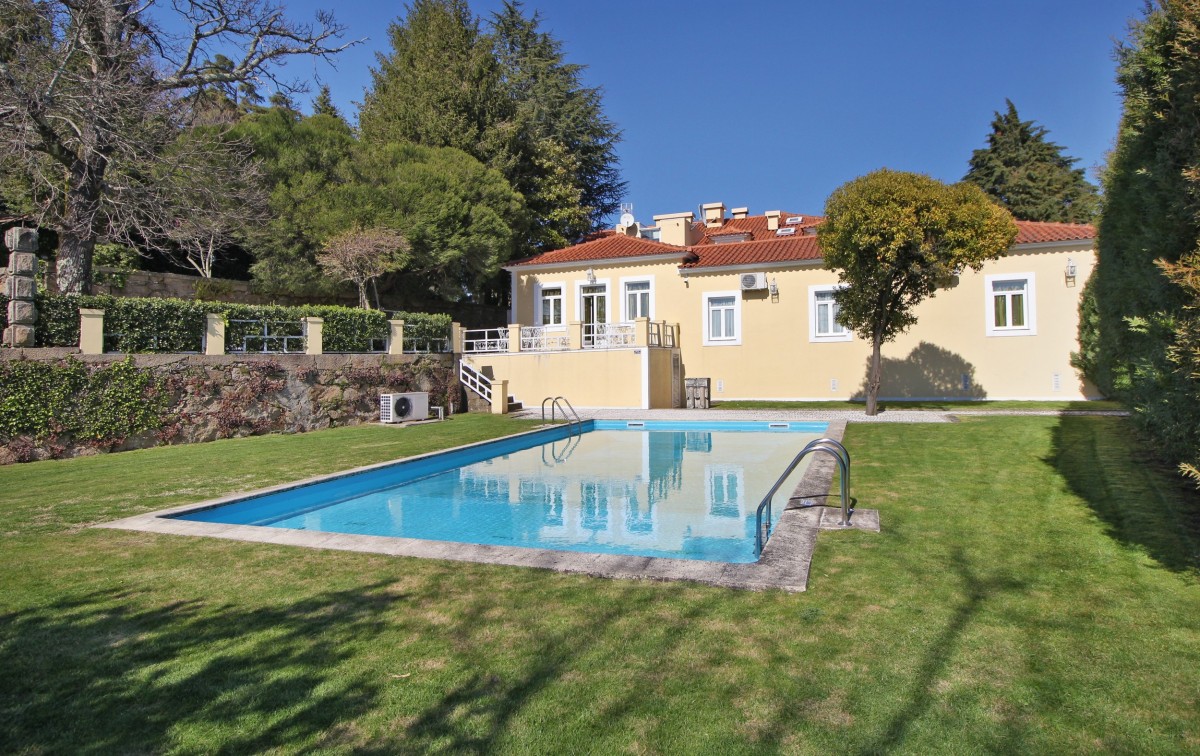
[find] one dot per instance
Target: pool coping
(784, 564)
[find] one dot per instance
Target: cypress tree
(1151, 219)
(1030, 175)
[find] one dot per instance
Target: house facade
(622, 319)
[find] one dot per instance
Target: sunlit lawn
(926, 404)
(1035, 588)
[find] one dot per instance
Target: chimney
(773, 219)
(676, 229)
(740, 212)
(714, 214)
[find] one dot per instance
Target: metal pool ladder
(557, 403)
(827, 445)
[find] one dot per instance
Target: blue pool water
(660, 489)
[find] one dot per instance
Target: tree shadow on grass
(940, 652)
(476, 714)
(100, 670)
(1141, 502)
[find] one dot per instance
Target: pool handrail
(827, 445)
(574, 426)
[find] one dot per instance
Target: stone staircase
(478, 384)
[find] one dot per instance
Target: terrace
(623, 364)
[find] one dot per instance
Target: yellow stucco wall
(777, 359)
(590, 378)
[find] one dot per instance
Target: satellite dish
(627, 219)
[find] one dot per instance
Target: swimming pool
(682, 490)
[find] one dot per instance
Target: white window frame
(607, 284)
(537, 305)
(813, 336)
(626, 315)
(989, 311)
(734, 340)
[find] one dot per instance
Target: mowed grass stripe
(1034, 589)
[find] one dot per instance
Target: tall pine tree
(566, 162)
(439, 87)
(508, 98)
(1030, 175)
(323, 104)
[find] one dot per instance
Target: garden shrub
(134, 324)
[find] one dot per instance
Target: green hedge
(176, 325)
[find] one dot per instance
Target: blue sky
(774, 104)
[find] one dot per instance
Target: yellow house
(622, 318)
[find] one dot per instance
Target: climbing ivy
(100, 405)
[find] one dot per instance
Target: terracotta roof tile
(756, 225)
(765, 246)
(612, 246)
(1033, 232)
(781, 249)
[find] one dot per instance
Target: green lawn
(933, 405)
(1036, 588)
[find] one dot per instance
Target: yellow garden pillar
(456, 338)
(214, 334)
(499, 397)
(91, 331)
(514, 337)
(575, 335)
(313, 341)
(395, 337)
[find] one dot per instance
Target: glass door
(594, 306)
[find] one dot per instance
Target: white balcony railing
(590, 336)
(608, 335)
(485, 340)
(662, 335)
(538, 339)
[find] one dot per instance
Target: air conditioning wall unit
(754, 281)
(398, 408)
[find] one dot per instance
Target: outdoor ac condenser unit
(397, 408)
(754, 281)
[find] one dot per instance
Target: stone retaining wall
(226, 396)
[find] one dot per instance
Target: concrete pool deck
(784, 564)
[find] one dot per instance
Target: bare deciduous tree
(93, 91)
(211, 195)
(362, 255)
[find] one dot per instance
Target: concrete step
(513, 404)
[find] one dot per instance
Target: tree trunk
(876, 375)
(74, 269)
(77, 237)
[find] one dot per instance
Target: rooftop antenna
(627, 218)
